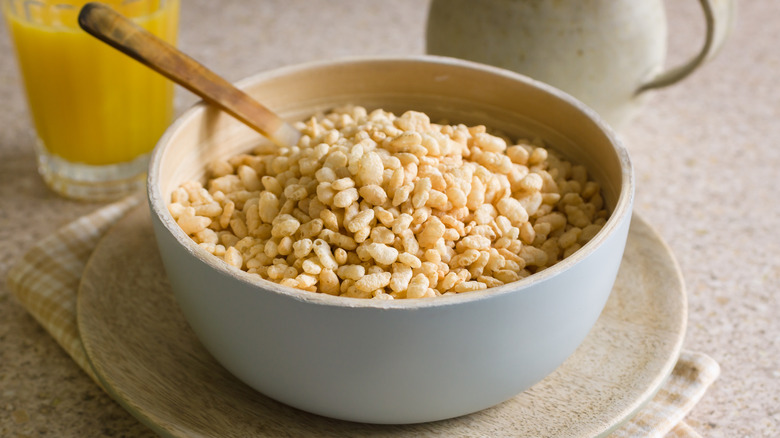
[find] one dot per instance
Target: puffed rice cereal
(374, 205)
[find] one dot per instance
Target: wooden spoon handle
(124, 35)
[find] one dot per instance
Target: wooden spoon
(121, 33)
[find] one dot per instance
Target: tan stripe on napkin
(682, 430)
(692, 375)
(46, 279)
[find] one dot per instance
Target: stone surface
(703, 150)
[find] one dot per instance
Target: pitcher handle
(719, 16)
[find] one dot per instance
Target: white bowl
(401, 361)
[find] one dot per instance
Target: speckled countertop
(704, 151)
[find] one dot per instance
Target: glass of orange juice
(97, 113)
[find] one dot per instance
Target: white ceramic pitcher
(604, 52)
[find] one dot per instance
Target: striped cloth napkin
(46, 280)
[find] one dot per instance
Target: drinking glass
(97, 113)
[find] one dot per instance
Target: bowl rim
(621, 212)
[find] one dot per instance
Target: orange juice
(90, 103)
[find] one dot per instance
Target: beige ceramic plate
(151, 362)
